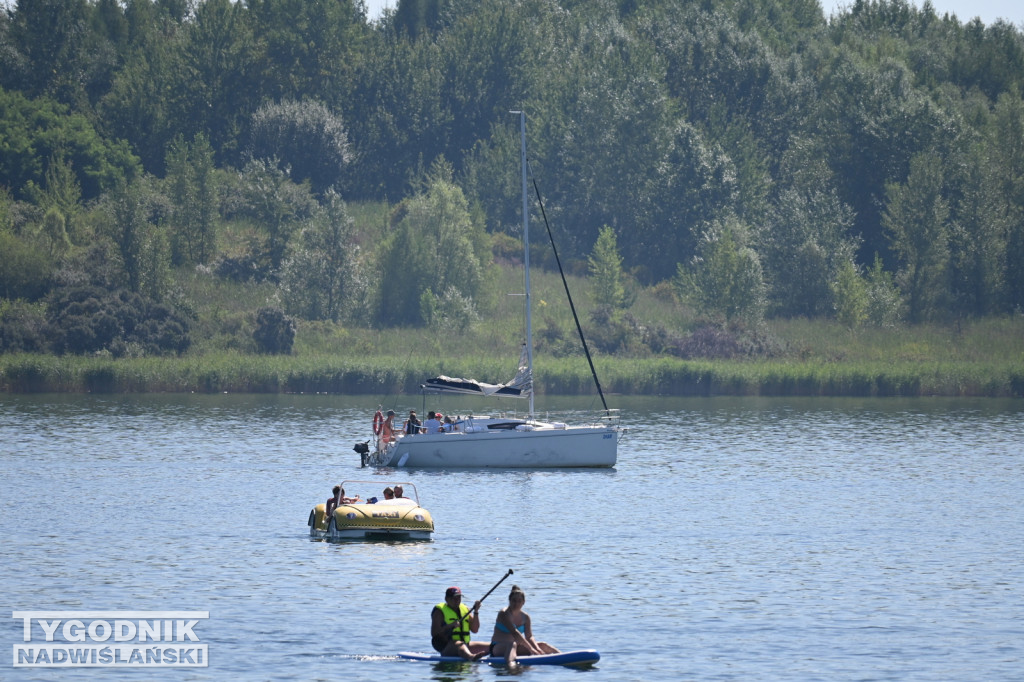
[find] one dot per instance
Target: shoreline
(237, 373)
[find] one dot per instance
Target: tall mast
(526, 254)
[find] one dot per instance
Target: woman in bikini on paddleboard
(513, 634)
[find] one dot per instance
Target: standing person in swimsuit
(513, 635)
(388, 429)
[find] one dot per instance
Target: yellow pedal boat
(373, 516)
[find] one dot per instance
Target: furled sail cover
(519, 387)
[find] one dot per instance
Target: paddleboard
(575, 658)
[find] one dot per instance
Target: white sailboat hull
(577, 446)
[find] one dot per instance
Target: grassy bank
(814, 357)
(239, 373)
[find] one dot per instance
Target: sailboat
(501, 441)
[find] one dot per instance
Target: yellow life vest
(462, 631)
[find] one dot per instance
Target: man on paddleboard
(451, 625)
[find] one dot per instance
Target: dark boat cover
(520, 387)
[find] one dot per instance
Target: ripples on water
(737, 539)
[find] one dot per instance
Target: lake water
(737, 539)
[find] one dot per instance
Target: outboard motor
(364, 451)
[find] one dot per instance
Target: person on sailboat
(432, 425)
(451, 623)
(412, 424)
(387, 429)
(513, 635)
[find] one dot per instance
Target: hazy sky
(965, 10)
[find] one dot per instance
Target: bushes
(22, 327)
(275, 331)
(305, 136)
(25, 270)
(91, 319)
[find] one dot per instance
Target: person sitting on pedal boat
(337, 498)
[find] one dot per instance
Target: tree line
(753, 157)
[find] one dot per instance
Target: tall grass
(382, 374)
(990, 339)
(981, 357)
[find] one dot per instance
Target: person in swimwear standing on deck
(387, 429)
(513, 634)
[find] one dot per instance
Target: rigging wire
(565, 284)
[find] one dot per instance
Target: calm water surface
(737, 539)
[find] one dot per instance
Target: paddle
(459, 621)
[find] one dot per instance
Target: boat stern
(381, 520)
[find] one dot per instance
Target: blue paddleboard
(580, 657)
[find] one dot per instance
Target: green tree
(306, 137)
(850, 294)
(275, 332)
(130, 229)
(206, 211)
(276, 205)
(55, 231)
(61, 201)
(605, 120)
(489, 58)
(191, 186)
(803, 244)
(144, 103)
(915, 217)
(215, 93)
(884, 304)
(395, 116)
(434, 246)
(990, 58)
(692, 184)
(156, 265)
(725, 278)
(606, 271)
(36, 134)
(61, 189)
(726, 75)
(876, 119)
(49, 37)
(977, 234)
(305, 49)
(1005, 140)
(452, 311)
(22, 326)
(416, 18)
(319, 278)
(26, 270)
(132, 224)
(86, 319)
